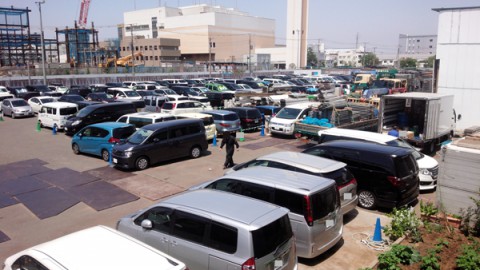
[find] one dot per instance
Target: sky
(336, 23)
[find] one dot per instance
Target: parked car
(170, 94)
(309, 164)
(283, 122)
(114, 84)
(427, 165)
(161, 142)
(119, 93)
(217, 99)
(16, 107)
(225, 120)
(387, 176)
(313, 202)
(77, 99)
(141, 119)
(184, 106)
(154, 103)
(103, 112)
(96, 247)
(98, 139)
(209, 229)
(43, 90)
(250, 117)
(22, 92)
(207, 119)
(4, 93)
(78, 90)
(37, 102)
(100, 97)
(56, 113)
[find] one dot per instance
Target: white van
(56, 113)
(428, 166)
(154, 103)
(184, 106)
(208, 122)
(141, 119)
(97, 247)
(283, 121)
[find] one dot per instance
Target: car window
(160, 218)
(341, 176)
(268, 238)
(282, 166)
(168, 106)
(27, 262)
(68, 111)
(159, 136)
(223, 237)
(189, 227)
(178, 132)
(123, 132)
(122, 119)
(140, 122)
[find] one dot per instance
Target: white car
(37, 102)
(121, 93)
(97, 247)
(184, 106)
(4, 93)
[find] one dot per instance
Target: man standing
(230, 141)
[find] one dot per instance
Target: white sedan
(37, 102)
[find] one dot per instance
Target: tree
(369, 60)
(408, 63)
(311, 58)
(430, 61)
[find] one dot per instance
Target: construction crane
(82, 20)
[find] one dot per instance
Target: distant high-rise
(297, 30)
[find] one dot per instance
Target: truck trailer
(425, 120)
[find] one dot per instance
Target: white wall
(458, 50)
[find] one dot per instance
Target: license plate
(347, 196)
(256, 120)
(115, 160)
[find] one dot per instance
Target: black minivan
(97, 113)
(387, 176)
(161, 142)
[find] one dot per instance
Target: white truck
(425, 120)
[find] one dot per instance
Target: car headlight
(425, 172)
(76, 122)
(127, 154)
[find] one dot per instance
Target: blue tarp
(323, 122)
(368, 93)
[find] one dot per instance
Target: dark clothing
(230, 142)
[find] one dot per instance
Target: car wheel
(76, 149)
(12, 115)
(105, 155)
(195, 152)
(141, 163)
(366, 199)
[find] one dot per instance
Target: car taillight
(249, 120)
(113, 140)
(224, 125)
(249, 264)
(307, 208)
(352, 181)
(394, 180)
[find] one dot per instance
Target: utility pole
(133, 55)
(250, 55)
(364, 52)
(299, 49)
(42, 41)
(210, 57)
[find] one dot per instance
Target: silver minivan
(209, 229)
(313, 202)
(309, 164)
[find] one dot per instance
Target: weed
(430, 261)
(470, 224)
(470, 257)
(404, 223)
(398, 254)
(428, 209)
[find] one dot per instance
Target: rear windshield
(230, 117)
(68, 111)
(288, 113)
(267, 239)
(123, 132)
(207, 121)
(405, 165)
(140, 122)
(253, 114)
(167, 106)
(341, 176)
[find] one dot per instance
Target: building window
(155, 47)
(430, 46)
(151, 58)
(431, 40)
(156, 58)
(150, 47)
(136, 48)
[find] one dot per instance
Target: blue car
(98, 139)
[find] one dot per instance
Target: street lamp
(41, 40)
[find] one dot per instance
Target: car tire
(76, 149)
(142, 163)
(105, 155)
(195, 152)
(12, 115)
(366, 199)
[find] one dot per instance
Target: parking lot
(46, 191)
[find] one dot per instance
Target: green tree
(430, 61)
(311, 58)
(369, 60)
(408, 63)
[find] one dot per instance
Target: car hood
(123, 146)
(427, 162)
(23, 108)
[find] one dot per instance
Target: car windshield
(19, 103)
(131, 94)
(75, 98)
(170, 92)
(21, 90)
(139, 136)
(85, 111)
(401, 143)
(288, 113)
(46, 100)
(3, 90)
(191, 92)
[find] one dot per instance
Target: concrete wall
(458, 50)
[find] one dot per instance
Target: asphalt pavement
(22, 224)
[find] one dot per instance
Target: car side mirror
(156, 140)
(146, 224)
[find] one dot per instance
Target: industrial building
(456, 71)
(418, 47)
(151, 52)
(206, 33)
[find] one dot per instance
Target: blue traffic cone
(110, 162)
(262, 131)
(377, 236)
(54, 129)
(214, 142)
